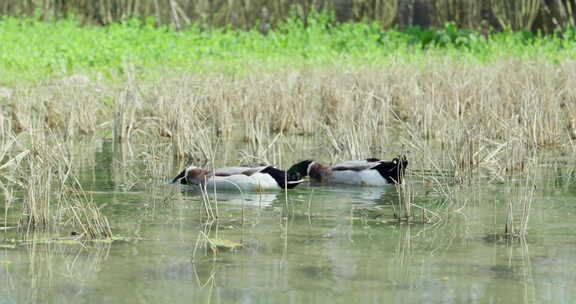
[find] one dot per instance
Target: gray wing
(355, 165)
(238, 170)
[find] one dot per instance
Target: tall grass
(473, 123)
(37, 160)
(54, 198)
(520, 204)
(483, 118)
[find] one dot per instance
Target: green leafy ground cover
(31, 50)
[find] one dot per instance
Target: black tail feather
(394, 170)
(181, 177)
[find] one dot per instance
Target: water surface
(317, 244)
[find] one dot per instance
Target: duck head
(299, 170)
(190, 175)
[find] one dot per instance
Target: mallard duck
(369, 172)
(250, 178)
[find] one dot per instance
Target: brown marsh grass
(40, 163)
(53, 196)
(466, 123)
(520, 204)
(461, 109)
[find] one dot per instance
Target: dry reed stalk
(473, 124)
(520, 204)
(403, 212)
(4, 124)
(37, 177)
(17, 126)
(282, 105)
(124, 117)
(53, 193)
(432, 169)
(9, 198)
(361, 110)
(357, 118)
(262, 149)
(155, 164)
(471, 112)
(10, 154)
(189, 118)
(36, 214)
(156, 161)
(84, 214)
(70, 107)
(82, 112)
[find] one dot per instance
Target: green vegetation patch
(34, 50)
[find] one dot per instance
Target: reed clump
(54, 198)
(473, 114)
(39, 163)
(520, 203)
(473, 123)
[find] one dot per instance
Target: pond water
(312, 244)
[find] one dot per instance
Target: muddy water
(317, 244)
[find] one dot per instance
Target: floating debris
(222, 244)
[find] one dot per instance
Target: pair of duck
(370, 172)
